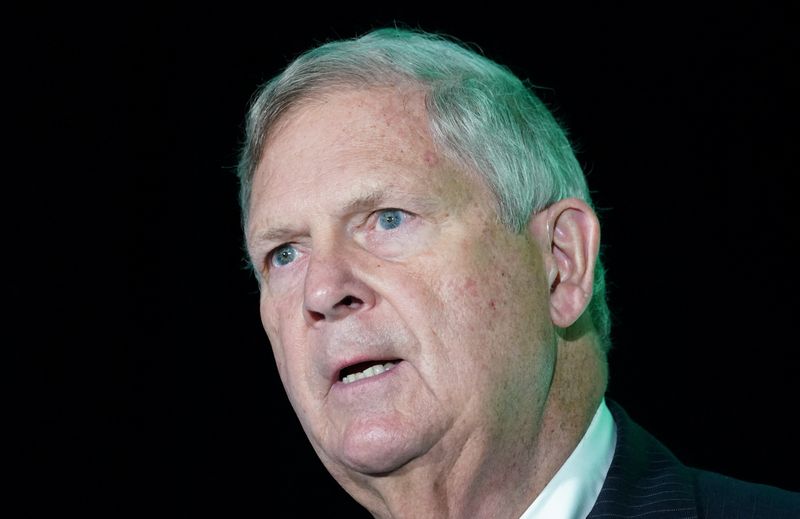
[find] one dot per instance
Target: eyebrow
(360, 202)
(365, 201)
(274, 234)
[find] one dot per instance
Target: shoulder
(645, 478)
(722, 496)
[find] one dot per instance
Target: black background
(152, 385)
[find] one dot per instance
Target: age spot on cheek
(471, 287)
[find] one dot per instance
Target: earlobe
(569, 233)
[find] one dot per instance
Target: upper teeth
(371, 371)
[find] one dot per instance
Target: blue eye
(390, 219)
(283, 255)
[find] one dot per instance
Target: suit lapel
(645, 479)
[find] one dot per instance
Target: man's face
(385, 265)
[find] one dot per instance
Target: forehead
(348, 143)
(350, 125)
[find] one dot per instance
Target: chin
(379, 450)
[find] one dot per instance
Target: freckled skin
(465, 306)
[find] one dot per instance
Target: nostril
(321, 312)
(340, 309)
(315, 316)
(350, 302)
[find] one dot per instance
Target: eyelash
(403, 216)
(274, 254)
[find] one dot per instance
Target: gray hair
(481, 116)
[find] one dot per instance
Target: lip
(337, 381)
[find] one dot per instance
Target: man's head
(480, 115)
(426, 253)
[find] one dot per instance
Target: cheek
(278, 326)
(495, 304)
(289, 351)
(472, 303)
(485, 287)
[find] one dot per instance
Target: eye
(389, 219)
(283, 255)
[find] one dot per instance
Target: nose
(333, 288)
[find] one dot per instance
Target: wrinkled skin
(372, 247)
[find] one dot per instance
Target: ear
(568, 233)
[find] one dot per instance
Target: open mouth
(365, 370)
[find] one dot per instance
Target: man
(427, 256)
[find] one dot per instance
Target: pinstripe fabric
(645, 480)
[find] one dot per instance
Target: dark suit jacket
(646, 481)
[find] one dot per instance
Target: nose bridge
(334, 287)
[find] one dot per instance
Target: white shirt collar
(572, 492)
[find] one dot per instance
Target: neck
(487, 480)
